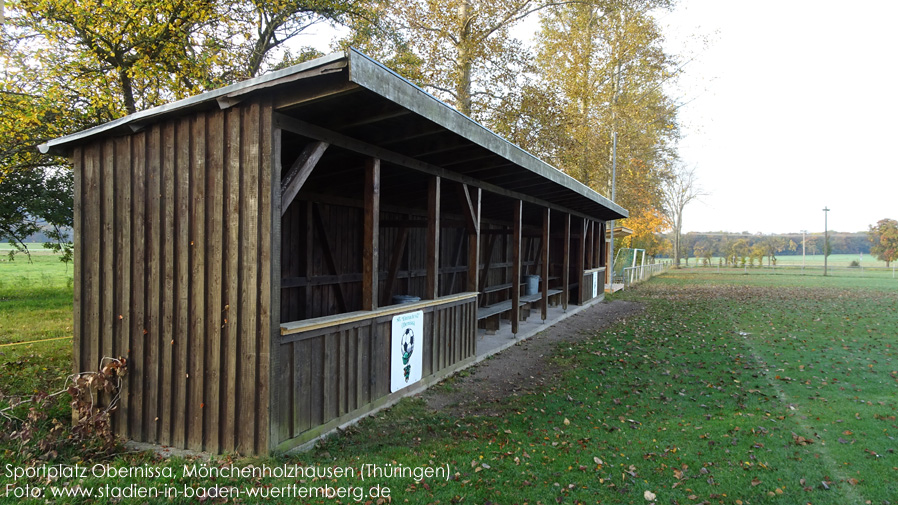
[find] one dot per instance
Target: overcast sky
(794, 109)
(791, 107)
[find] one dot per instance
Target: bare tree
(679, 189)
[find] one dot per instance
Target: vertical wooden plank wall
(172, 271)
(338, 371)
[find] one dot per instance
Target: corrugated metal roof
(388, 112)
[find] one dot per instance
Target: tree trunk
(678, 226)
(463, 60)
(127, 91)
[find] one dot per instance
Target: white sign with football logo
(406, 350)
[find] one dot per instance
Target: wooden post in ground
(516, 267)
(371, 234)
(431, 284)
(545, 260)
(581, 260)
(566, 272)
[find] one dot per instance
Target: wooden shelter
(243, 248)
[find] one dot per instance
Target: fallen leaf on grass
(649, 496)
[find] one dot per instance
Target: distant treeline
(39, 237)
(745, 247)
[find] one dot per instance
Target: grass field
(35, 306)
(814, 260)
(729, 389)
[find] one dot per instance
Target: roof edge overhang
(371, 75)
(225, 97)
(374, 76)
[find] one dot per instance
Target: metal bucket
(532, 284)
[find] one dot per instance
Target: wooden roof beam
(299, 172)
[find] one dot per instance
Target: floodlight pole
(825, 239)
(803, 232)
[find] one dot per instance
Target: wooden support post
(371, 234)
(299, 172)
(581, 261)
(587, 247)
(593, 262)
(545, 260)
(566, 271)
(516, 267)
(431, 284)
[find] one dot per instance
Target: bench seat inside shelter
(489, 316)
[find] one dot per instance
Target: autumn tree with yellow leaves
(607, 61)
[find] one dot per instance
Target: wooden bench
(492, 310)
(491, 314)
(536, 298)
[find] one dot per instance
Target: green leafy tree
(884, 236)
(606, 61)
(740, 249)
(703, 250)
(37, 200)
(812, 244)
(272, 23)
(123, 56)
(775, 244)
(687, 245)
(758, 250)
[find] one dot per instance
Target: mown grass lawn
(35, 309)
(729, 389)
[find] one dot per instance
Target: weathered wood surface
(172, 272)
(300, 170)
(370, 234)
(431, 284)
(516, 266)
(341, 365)
(545, 263)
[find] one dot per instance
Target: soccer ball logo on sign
(407, 347)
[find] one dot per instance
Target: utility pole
(613, 195)
(803, 232)
(825, 239)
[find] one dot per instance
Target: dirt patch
(523, 367)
